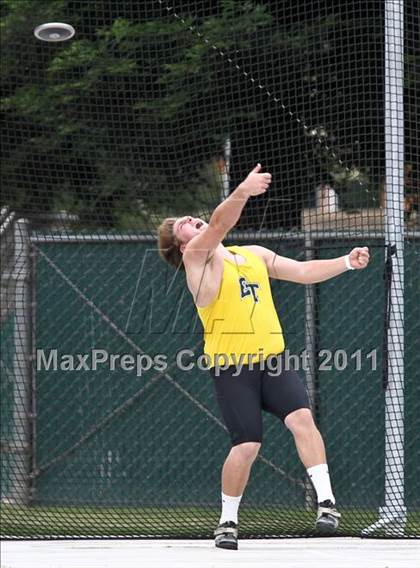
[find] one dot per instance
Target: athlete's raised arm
(310, 271)
(225, 217)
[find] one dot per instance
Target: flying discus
(54, 31)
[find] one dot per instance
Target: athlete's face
(185, 228)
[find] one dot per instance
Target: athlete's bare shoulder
(204, 279)
(200, 262)
(259, 251)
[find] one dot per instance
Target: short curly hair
(168, 244)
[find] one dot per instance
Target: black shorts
(242, 398)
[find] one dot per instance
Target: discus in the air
(54, 31)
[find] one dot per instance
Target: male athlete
(231, 290)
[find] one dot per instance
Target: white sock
(230, 506)
(320, 478)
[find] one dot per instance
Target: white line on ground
(281, 553)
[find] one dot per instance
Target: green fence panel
(412, 373)
(352, 401)
(351, 397)
(112, 437)
(6, 402)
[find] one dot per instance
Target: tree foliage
(131, 112)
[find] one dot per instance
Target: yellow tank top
(242, 319)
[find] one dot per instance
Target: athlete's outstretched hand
(359, 257)
(255, 183)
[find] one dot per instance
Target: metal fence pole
(311, 355)
(20, 448)
(392, 516)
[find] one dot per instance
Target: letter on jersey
(248, 289)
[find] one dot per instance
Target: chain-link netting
(109, 424)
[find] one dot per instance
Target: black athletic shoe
(226, 535)
(327, 518)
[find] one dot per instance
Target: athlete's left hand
(359, 257)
